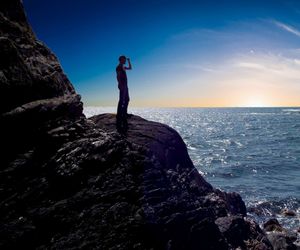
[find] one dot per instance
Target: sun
(255, 102)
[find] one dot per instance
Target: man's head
(122, 59)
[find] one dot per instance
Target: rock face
(67, 182)
(83, 185)
(29, 71)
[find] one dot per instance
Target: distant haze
(183, 53)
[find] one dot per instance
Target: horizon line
(106, 106)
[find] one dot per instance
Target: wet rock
(281, 241)
(279, 237)
(234, 202)
(288, 212)
(272, 225)
(235, 229)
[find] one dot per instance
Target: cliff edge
(67, 182)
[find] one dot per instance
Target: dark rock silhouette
(67, 182)
(29, 70)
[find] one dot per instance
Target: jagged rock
(272, 225)
(98, 189)
(29, 71)
(288, 212)
(234, 228)
(280, 237)
(281, 241)
(67, 182)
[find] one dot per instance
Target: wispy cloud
(273, 66)
(250, 65)
(287, 28)
(199, 67)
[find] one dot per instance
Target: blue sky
(184, 53)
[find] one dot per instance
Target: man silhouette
(124, 94)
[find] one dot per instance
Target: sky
(215, 53)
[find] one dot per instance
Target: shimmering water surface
(253, 151)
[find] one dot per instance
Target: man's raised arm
(129, 65)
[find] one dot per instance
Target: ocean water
(252, 151)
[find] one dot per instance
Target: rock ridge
(29, 71)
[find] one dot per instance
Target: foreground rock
(85, 186)
(280, 237)
(67, 182)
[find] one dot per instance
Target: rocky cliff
(67, 182)
(29, 70)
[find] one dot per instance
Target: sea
(252, 151)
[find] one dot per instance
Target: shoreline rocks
(279, 237)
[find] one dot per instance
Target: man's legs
(123, 102)
(122, 110)
(126, 101)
